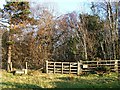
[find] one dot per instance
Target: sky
(64, 6)
(1, 3)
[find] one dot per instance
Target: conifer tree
(17, 16)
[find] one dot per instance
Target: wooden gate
(63, 67)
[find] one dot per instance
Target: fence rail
(82, 66)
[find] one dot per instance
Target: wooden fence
(78, 67)
(91, 65)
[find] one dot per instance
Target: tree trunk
(85, 47)
(9, 53)
(119, 41)
(104, 55)
(84, 32)
(111, 25)
(9, 58)
(1, 47)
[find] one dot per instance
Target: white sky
(64, 6)
(1, 3)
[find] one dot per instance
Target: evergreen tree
(17, 15)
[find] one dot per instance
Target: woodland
(34, 34)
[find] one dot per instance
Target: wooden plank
(74, 72)
(98, 64)
(74, 66)
(89, 61)
(86, 70)
(66, 69)
(113, 69)
(58, 66)
(73, 69)
(51, 65)
(50, 72)
(90, 64)
(107, 64)
(51, 68)
(58, 69)
(92, 67)
(109, 60)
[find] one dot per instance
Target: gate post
(79, 69)
(62, 67)
(116, 66)
(26, 64)
(54, 67)
(46, 66)
(80, 66)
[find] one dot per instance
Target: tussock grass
(36, 79)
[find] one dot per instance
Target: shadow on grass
(18, 85)
(84, 83)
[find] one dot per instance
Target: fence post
(26, 67)
(54, 67)
(62, 67)
(116, 65)
(69, 68)
(79, 69)
(80, 66)
(46, 66)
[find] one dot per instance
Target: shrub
(102, 69)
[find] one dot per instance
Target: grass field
(36, 79)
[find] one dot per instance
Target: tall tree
(110, 12)
(119, 39)
(17, 15)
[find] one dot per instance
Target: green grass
(42, 80)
